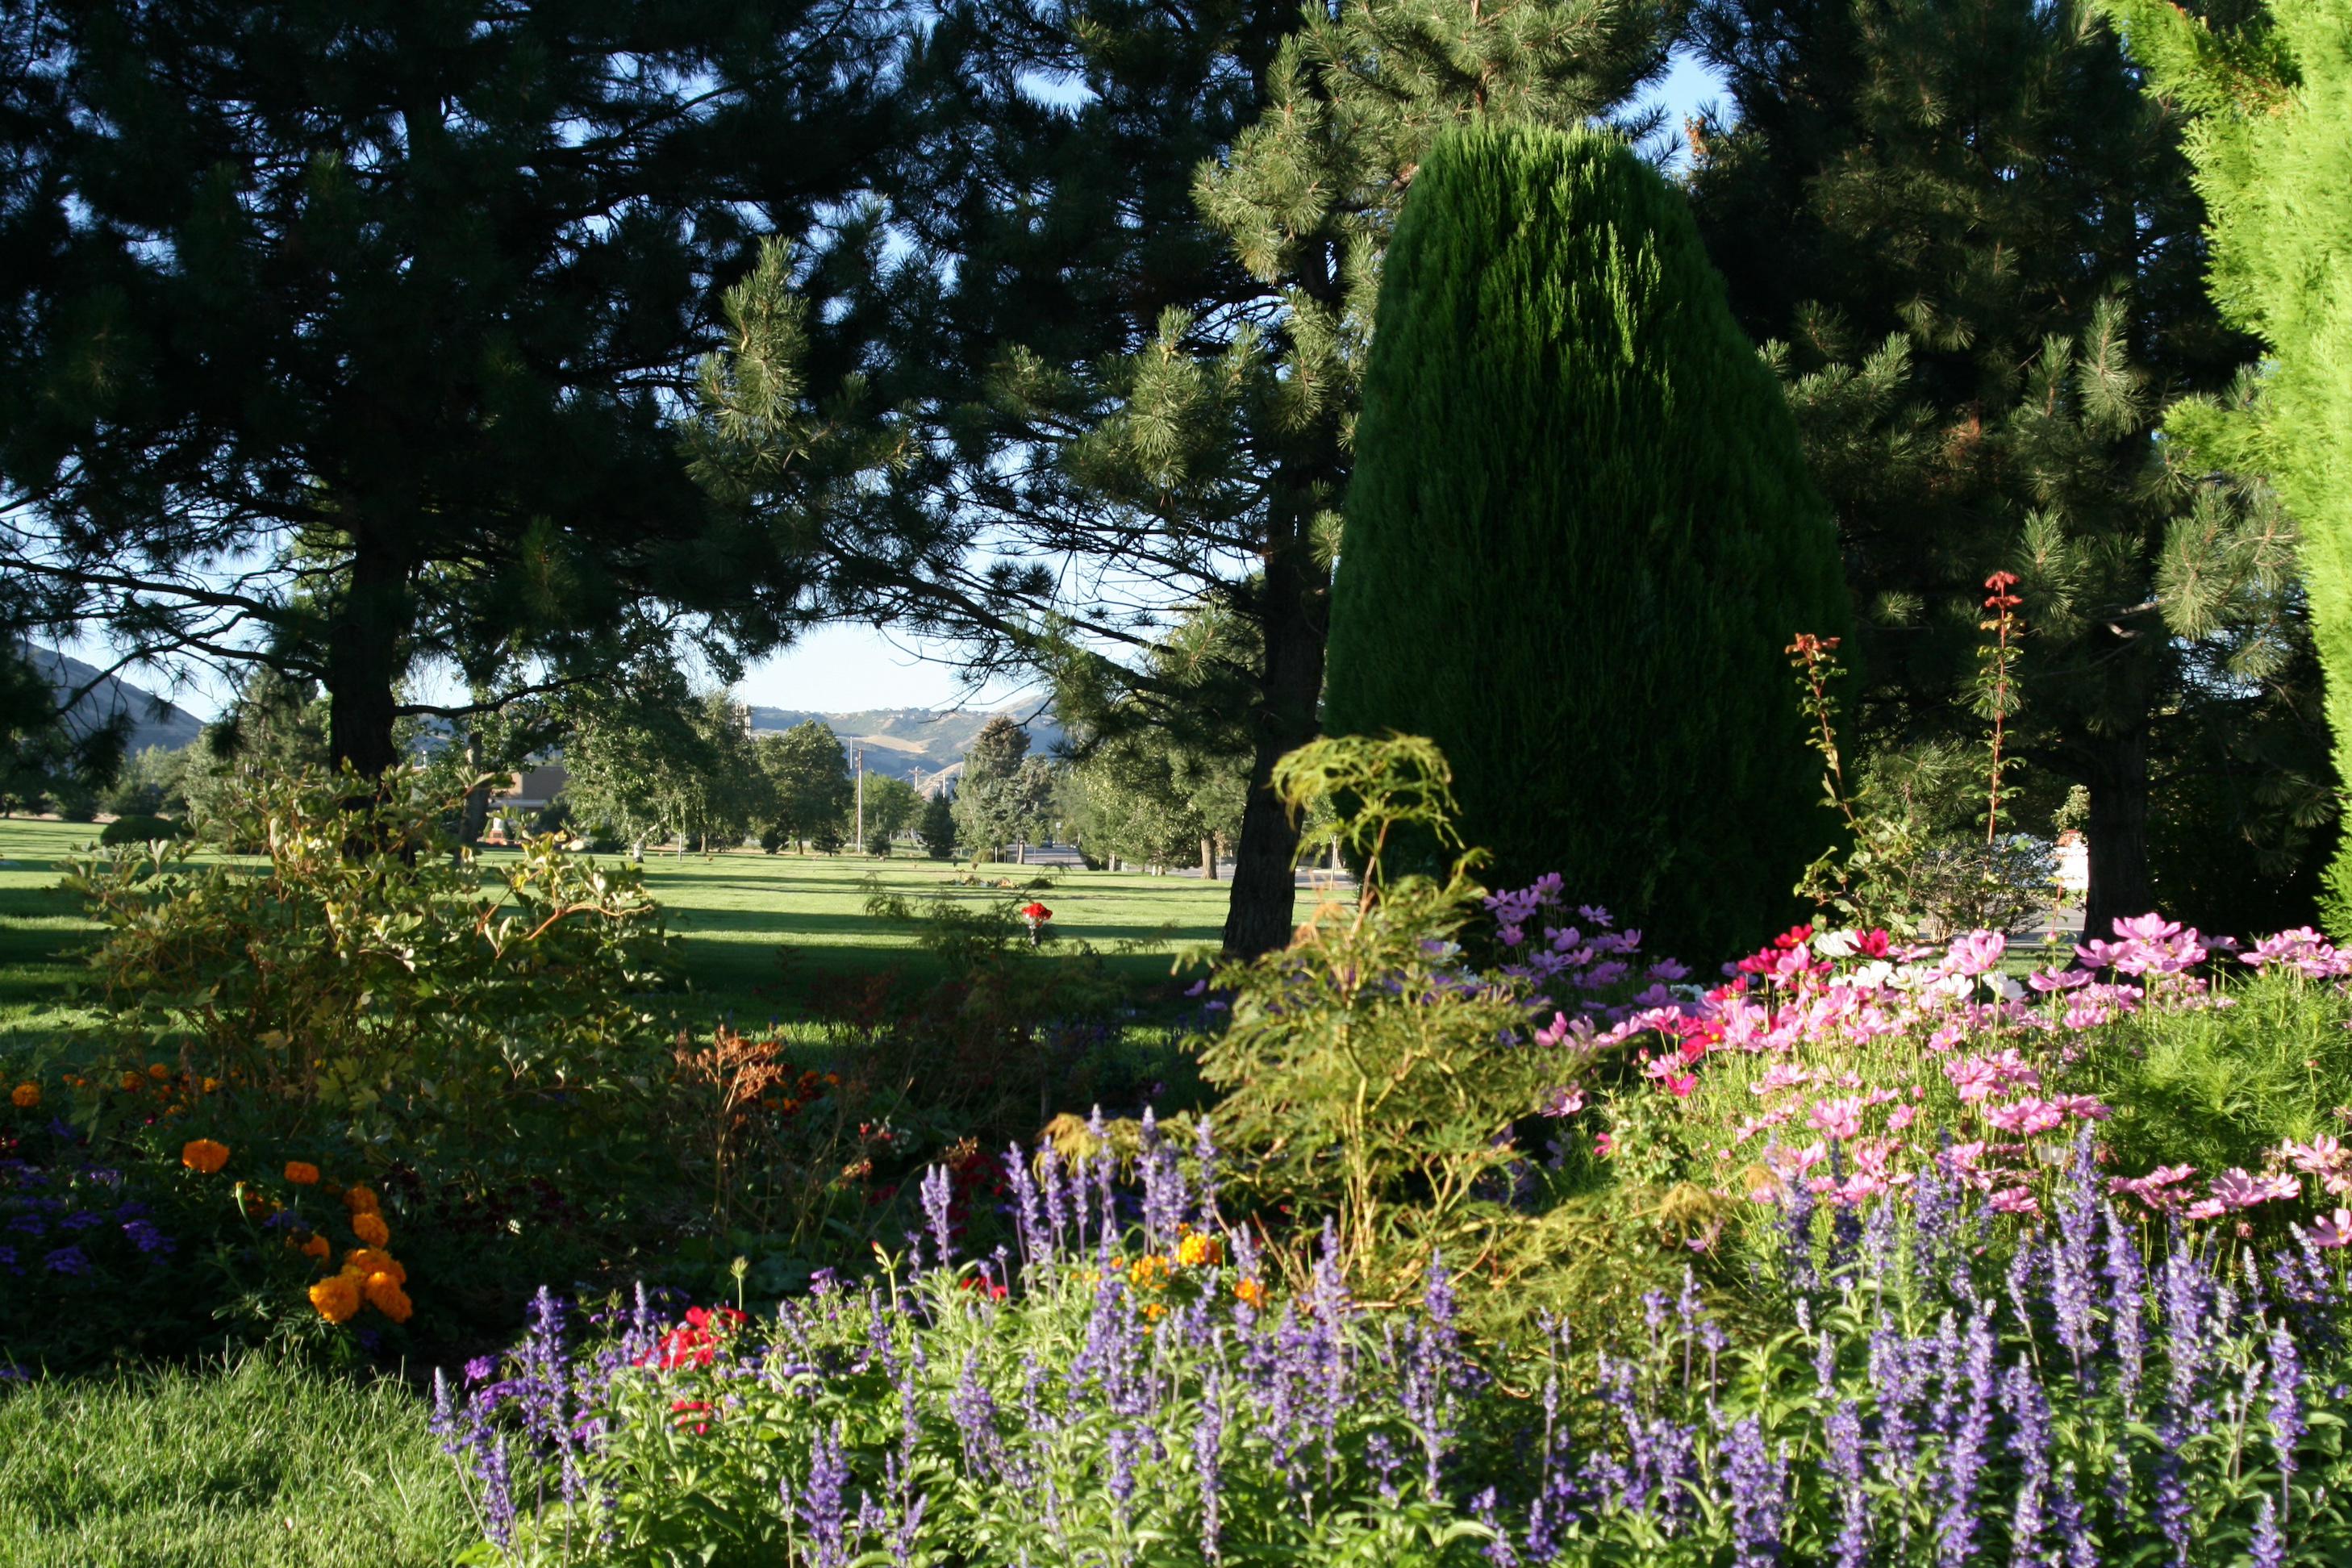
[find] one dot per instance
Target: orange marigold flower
(211, 1086)
(1194, 1251)
(204, 1156)
(369, 1228)
(25, 1096)
(159, 1072)
(1250, 1292)
(363, 1200)
(301, 1173)
(337, 1299)
(130, 1082)
(385, 1294)
(317, 1247)
(367, 1260)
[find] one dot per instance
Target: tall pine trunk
(1293, 611)
(363, 661)
(2116, 832)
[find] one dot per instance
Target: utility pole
(858, 761)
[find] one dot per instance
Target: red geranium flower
(1036, 913)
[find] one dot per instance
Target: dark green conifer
(1579, 537)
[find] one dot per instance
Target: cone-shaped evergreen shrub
(1579, 536)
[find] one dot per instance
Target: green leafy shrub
(361, 980)
(1368, 1074)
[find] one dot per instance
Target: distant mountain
(904, 742)
(154, 721)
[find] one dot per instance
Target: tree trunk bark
(363, 661)
(1208, 858)
(2117, 834)
(1293, 610)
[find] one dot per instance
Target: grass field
(754, 930)
(253, 1463)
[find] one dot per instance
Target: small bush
(125, 830)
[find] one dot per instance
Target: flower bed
(1117, 1396)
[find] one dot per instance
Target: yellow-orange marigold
(132, 1081)
(159, 1072)
(317, 1247)
(385, 1294)
(337, 1299)
(361, 1200)
(1196, 1250)
(1250, 1292)
(204, 1156)
(369, 1227)
(301, 1173)
(367, 1260)
(25, 1096)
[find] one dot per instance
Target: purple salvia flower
(1758, 1489)
(1057, 1215)
(2071, 1285)
(1845, 1465)
(1964, 1452)
(2127, 1292)
(2028, 1409)
(2285, 1408)
(822, 1501)
(2269, 1546)
(1208, 1467)
(497, 1495)
(938, 1195)
(1487, 1512)
(1797, 1236)
(1027, 1211)
(1204, 1197)
(975, 1417)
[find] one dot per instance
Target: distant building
(2073, 864)
(529, 790)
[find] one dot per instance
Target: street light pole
(858, 761)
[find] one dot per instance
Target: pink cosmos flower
(2157, 1189)
(2321, 1155)
(2059, 979)
(1900, 1118)
(1975, 952)
(2089, 1107)
(2334, 1231)
(2014, 1200)
(2234, 1189)
(1841, 1118)
(2027, 1118)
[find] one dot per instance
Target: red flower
(1794, 936)
(1872, 944)
(694, 1343)
(1036, 913)
(996, 1292)
(687, 1409)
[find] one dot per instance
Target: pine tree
(2271, 142)
(1581, 538)
(1979, 247)
(348, 338)
(1162, 290)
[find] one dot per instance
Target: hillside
(904, 742)
(154, 721)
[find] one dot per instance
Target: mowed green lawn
(758, 934)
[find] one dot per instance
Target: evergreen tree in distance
(2271, 142)
(1580, 537)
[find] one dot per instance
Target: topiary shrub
(125, 830)
(1579, 536)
